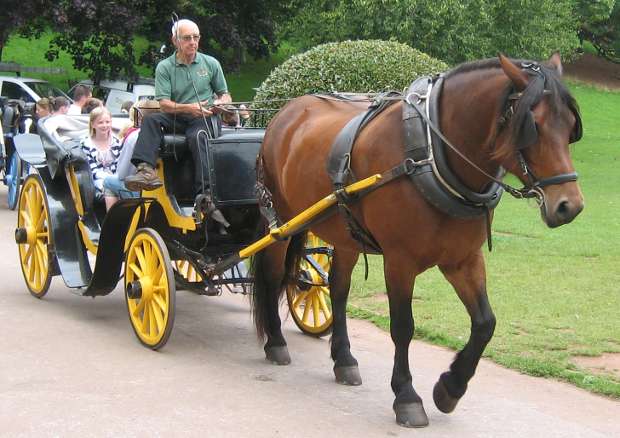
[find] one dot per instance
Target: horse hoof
(348, 375)
(411, 415)
(444, 401)
(278, 355)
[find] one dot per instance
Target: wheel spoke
(136, 270)
(138, 309)
(40, 221)
(25, 217)
(326, 310)
(141, 260)
(159, 274)
(161, 301)
(145, 317)
(299, 298)
(32, 267)
(27, 254)
(315, 309)
(306, 314)
(158, 316)
(152, 321)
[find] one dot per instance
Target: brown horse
(497, 113)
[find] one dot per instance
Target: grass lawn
(555, 293)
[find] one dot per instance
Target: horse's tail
(270, 282)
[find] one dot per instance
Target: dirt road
(72, 367)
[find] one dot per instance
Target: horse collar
(424, 146)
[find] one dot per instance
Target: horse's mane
(533, 93)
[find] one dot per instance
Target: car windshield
(45, 89)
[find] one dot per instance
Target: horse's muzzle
(561, 211)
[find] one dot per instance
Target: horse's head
(541, 119)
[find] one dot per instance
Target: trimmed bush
(349, 66)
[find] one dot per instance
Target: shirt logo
(202, 73)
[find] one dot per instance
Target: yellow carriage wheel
(309, 300)
(33, 236)
(149, 288)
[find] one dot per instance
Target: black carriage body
(233, 170)
(78, 228)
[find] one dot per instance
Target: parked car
(27, 90)
(115, 93)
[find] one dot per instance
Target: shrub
(349, 66)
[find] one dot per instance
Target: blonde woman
(102, 149)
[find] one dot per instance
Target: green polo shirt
(173, 80)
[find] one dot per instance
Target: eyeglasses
(188, 38)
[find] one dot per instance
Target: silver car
(27, 89)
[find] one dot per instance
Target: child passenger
(102, 149)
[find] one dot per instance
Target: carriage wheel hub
(134, 290)
(21, 235)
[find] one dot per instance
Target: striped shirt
(102, 163)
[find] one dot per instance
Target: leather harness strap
(341, 174)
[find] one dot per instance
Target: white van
(115, 93)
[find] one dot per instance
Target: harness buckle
(419, 98)
(410, 164)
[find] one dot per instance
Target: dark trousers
(152, 131)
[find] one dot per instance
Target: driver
(187, 85)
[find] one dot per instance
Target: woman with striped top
(102, 149)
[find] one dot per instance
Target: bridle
(533, 188)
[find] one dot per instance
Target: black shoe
(144, 179)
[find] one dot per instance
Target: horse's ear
(556, 63)
(518, 77)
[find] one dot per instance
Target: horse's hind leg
(345, 365)
(407, 405)
(469, 280)
(269, 271)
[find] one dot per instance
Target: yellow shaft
(304, 217)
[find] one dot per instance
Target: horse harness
(426, 160)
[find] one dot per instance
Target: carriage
(15, 118)
(158, 243)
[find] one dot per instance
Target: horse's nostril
(563, 209)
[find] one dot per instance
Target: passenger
(81, 93)
(60, 105)
(91, 104)
(102, 150)
(43, 108)
(187, 85)
(126, 107)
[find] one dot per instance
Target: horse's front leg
(469, 280)
(408, 405)
(345, 365)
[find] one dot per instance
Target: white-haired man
(187, 84)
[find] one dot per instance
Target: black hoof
(278, 355)
(348, 375)
(444, 401)
(411, 415)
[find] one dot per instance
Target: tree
(451, 30)
(97, 35)
(26, 17)
(600, 25)
(229, 28)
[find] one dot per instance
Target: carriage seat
(173, 145)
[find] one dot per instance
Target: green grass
(555, 293)
(31, 53)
